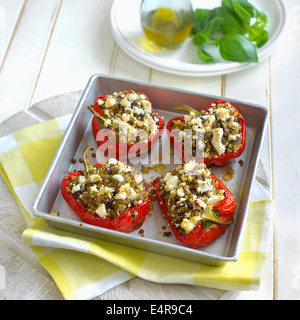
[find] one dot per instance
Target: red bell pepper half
(129, 221)
(219, 160)
(218, 219)
(120, 150)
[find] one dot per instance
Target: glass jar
(166, 23)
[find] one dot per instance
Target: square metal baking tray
(79, 134)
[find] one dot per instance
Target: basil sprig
(237, 28)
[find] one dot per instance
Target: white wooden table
(50, 47)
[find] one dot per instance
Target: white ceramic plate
(127, 32)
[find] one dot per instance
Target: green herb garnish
(210, 217)
(237, 28)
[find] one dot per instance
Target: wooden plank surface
(51, 47)
(10, 12)
(25, 55)
(285, 88)
(241, 86)
(81, 45)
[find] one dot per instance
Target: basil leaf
(258, 35)
(242, 13)
(250, 8)
(202, 36)
(236, 47)
(230, 27)
(212, 26)
(262, 18)
(204, 55)
(207, 224)
(232, 24)
(201, 17)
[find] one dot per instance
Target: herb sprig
(237, 28)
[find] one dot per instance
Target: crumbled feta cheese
(124, 167)
(107, 112)
(101, 211)
(100, 102)
(81, 179)
(189, 166)
(199, 203)
(180, 192)
(131, 194)
(232, 137)
(152, 124)
(171, 181)
(199, 122)
(110, 102)
(118, 178)
(215, 199)
(126, 191)
(125, 117)
(210, 121)
(187, 117)
(112, 161)
(138, 178)
(193, 121)
(146, 105)
(107, 122)
(204, 186)
(182, 134)
(125, 103)
(234, 125)
(189, 224)
(95, 178)
(75, 188)
(106, 190)
(222, 113)
(121, 195)
(217, 140)
(131, 96)
(94, 189)
(200, 145)
(137, 110)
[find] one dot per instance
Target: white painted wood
(125, 67)
(54, 46)
(10, 12)
(81, 45)
(209, 85)
(23, 59)
(285, 88)
(252, 85)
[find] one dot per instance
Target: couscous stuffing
(210, 133)
(131, 115)
(110, 190)
(188, 192)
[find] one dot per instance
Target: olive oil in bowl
(167, 27)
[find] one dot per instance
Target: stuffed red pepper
(110, 195)
(196, 204)
(217, 134)
(132, 124)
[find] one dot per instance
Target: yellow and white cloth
(83, 267)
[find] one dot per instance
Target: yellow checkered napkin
(83, 267)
